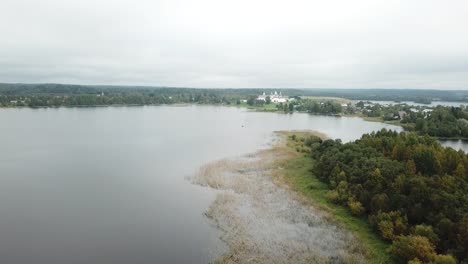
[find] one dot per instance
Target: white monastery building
(274, 97)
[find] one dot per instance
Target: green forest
(327, 107)
(55, 95)
(440, 121)
(412, 191)
(449, 122)
(49, 94)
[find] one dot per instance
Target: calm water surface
(456, 144)
(108, 185)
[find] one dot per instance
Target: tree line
(449, 122)
(19, 89)
(441, 121)
(413, 191)
(40, 95)
(326, 107)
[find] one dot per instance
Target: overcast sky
(237, 43)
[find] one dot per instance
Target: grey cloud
(216, 43)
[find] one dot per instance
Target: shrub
(386, 230)
(356, 207)
(426, 231)
(445, 259)
(342, 190)
(311, 140)
(414, 261)
(379, 202)
(406, 248)
(333, 196)
(390, 224)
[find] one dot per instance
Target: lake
(457, 144)
(109, 184)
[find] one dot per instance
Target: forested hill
(413, 191)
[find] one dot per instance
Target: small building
(274, 97)
(401, 115)
(262, 97)
(427, 112)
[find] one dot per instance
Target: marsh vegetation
(264, 221)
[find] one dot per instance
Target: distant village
(398, 114)
(352, 106)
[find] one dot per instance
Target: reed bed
(264, 222)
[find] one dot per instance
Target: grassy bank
(297, 173)
(264, 108)
(372, 119)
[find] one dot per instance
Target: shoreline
(264, 219)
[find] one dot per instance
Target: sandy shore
(262, 221)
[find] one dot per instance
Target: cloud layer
(242, 43)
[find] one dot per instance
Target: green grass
(298, 174)
(408, 126)
(373, 119)
(265, 108)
